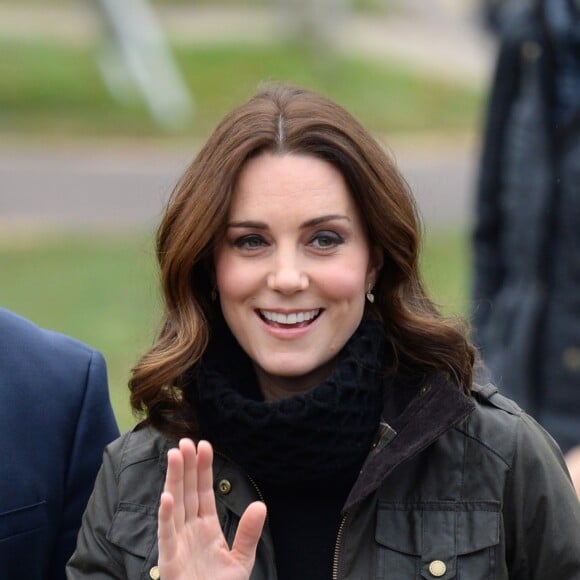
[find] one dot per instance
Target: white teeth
(293, 318)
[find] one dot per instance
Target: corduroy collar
(437, 406)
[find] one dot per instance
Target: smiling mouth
(292, 320)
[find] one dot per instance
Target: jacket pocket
(134, 529)
(22, 520)
(437, 540)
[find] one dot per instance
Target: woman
(299, 343)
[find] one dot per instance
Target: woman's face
(293, 267)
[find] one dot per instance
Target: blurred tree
(135, 55)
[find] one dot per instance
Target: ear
(376, 262)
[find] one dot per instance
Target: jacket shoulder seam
(485, 445)
(126, 460)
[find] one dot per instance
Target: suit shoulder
(41, 369)
(23, 334)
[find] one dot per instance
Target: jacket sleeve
(95, 557)
(95, 428)
(541, 510)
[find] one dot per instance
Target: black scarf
(302, 439)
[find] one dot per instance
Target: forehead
(292, 182)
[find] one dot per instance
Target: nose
(286, 276)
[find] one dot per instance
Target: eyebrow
(307, 224)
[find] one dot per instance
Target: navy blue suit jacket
(55, 420)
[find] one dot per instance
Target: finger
(191, 501)
(205, 479)
(166, 528)
(174, 485)
(248, 534)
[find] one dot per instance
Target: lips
(295, 319)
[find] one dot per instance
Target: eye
(326, 240)
(250, 242)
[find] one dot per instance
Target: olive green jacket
(455, 487)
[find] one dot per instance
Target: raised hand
(191, 543)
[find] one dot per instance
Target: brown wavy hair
(287, 119)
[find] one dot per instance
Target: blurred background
(103, 104)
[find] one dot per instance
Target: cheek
(345, 283)
(237, 285)
(230, 276)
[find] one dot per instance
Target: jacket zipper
(339, 536)
(385, 434)
(255, 486)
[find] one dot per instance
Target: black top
(304, 523)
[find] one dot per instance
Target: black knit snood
(306, 438)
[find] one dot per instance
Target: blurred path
(115, 186)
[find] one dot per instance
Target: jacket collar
(438, 406)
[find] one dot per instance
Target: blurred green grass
(98, 288)
(56, 89)
(103, 290)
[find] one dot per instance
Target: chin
(288, 371)
(300, 370)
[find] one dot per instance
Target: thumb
(248, 534)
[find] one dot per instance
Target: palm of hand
(191, 543)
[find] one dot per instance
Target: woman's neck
(275, 387)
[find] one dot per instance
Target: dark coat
(527, 234)
(55, 420)
(456, 487)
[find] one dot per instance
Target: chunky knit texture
(304, 438)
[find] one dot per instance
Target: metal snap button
(437, 568)
(531, 50)
(224, 486)
(571, 358)
(154, 573)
